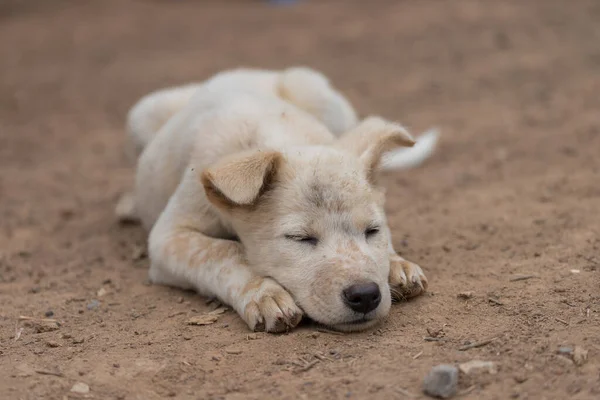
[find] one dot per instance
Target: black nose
(362, 297)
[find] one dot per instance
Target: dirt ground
(513, 191)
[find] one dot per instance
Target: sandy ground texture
(508, 209)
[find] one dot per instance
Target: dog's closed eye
(371, 231)
(313, 241)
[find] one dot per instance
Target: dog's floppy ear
(370, 139)
(240, 180)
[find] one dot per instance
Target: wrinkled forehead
(330, 189)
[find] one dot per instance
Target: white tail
(403, 158)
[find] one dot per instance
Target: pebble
(580, 356)
(233, 351)
(92, 305)
(565, 351)
(49, 313)
(80, 387)
(475, 366)
(52, 343)
(441, 381)
(465, 295)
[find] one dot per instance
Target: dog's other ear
(240, 180)
(373, 137)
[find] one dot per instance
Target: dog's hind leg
(311, 91)
(144, 120)
(150, 114)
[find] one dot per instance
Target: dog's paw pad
(271, 308)
(406, 279)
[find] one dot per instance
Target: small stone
(575, 271)
(187, 337)
(139, 253)
(441, 381)
(42, 326)
(475, 366)
(35, 289)
(180, 300)
(233, 350)
(116, 365)
(580, 356)
(49, 313)
(315, 335)
(93, 305)
(565, 351)
(101, 292)
(80, 387)
(252, 336)
(78, 340)
(52, 343)
(520, 378)
(465, 295)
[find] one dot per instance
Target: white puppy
(259, 188)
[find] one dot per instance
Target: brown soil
(513, 190)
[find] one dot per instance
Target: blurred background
(512, 190)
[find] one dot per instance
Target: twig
(405, 392)
(433, 339)
(477, 344)
(467, 390)
(46, 372)
(307, 366)
(18, 331)
(521, 278)
(562, 321)
(175, 314)
(419, 354)
(495, 301)
(50, 320)
(322, 357)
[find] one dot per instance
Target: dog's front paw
(270, 307)
(406, 279)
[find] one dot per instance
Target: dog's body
(258, 188)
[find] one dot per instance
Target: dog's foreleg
(216, 267)
(406, 278)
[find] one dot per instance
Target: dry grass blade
(47, 372)
(204, 319)
(49, 320)
(476, 344)
(522, 278)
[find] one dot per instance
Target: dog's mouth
(356, 325)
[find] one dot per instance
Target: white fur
(412, 157)
(234, 170)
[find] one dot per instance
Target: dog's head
(313, 219)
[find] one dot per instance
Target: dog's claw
(406, 279)
(271, 308)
